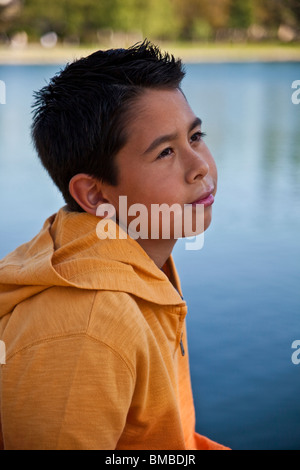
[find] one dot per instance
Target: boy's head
(117, 124)
(81, 117)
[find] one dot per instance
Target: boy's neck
(158, 250)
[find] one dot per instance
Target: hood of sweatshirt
(69, 252)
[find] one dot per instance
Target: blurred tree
(164, 19)
(202, 17)
(10, 11)
(66, 17)
(241, 13)
(272, 13)
(38, 19)
(160, 19)
(154, 18)
(294, 6)
(218, 13)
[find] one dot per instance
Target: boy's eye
(165, 153)
(168, 152)
(198, 136)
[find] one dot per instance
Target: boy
(94, 324)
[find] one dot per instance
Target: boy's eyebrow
(166, 138)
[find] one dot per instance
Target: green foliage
(241, 13)
(152, 17)
(163, 19)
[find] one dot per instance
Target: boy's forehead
(161, 111)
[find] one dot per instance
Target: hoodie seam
(103, 342)
(117, 271)
(79, 334)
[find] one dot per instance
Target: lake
(242, 288)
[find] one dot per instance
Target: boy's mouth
(207, 199)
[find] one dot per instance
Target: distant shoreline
(34, 54)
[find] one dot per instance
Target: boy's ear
(87, 192)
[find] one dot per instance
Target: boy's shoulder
(110, 318)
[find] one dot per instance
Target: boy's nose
(197, 167)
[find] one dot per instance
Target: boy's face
(165, 160)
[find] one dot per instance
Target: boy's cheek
(214, 171)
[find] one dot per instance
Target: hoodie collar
(68, 252)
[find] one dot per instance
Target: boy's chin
(205, 224)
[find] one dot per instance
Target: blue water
(242, 288)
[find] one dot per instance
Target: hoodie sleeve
(78, 392)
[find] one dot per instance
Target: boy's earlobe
(87, 192)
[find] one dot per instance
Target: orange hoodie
(96, 353)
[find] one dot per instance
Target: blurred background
(89, 21)
(242, 288)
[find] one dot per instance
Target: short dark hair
(80, 117)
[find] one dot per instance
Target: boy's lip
(207, 198)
